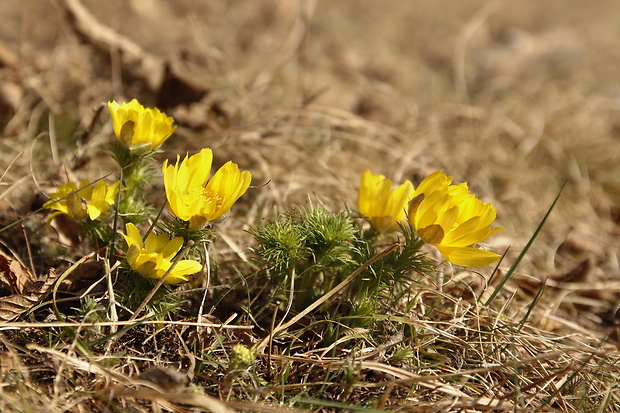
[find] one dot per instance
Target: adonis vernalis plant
(153, 257)
(89, 205)
(454, 220)
(140, 132)
(383, 206)
(91, 200)
(198, 200)
(138, 127)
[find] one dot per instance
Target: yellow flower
(89, 201)
(138, 127)
(452, 219)
(193, 197)
(153, 258)
(383, 206)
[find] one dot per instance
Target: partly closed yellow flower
(153, 258)
(89, 201)
(383, 206)
(452, 219)
(193, 197)
(138, 127)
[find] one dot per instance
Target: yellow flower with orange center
(195, 198)
(454, 220)
(380, 204)
(88, 201)
(138, 127)
(154, 257)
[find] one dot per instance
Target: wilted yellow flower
(383, 206)
(452, 219)
(193, 197)
(153, 258)
(89, 201)
(136, 126)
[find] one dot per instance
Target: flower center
(202, 195)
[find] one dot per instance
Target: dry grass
(517, 98)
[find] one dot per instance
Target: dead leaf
(577, 248)
(166, 378)
(68, 230)
(83, 277)
(20, 290)
(579, 274)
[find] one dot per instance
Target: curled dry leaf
(576, 249)
(19, 289)
(166, 378)
(579, 274)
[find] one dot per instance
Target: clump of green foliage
(305, 252)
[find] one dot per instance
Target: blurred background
(516, 97)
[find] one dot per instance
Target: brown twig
(146, 66)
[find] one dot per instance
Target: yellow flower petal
(135, 125)
(383, 206)
(433, 182)
(99, 197)
(172, 248)
(452, 219)
(176, 278)
(196, 169)
(183, 268)
(230, 181)
(192, 197)
(156, 242)
(155, 257)
(468, 256)
(90, 201)
(133, 252)
(133, 236)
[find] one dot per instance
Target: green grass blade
(532, 306)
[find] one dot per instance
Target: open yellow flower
(136, 126)
(383, 206)
(153, 258)
(452, 219)
(193, 197)
(88, 201)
